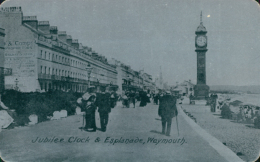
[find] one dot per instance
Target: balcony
(69, 79)
(63, 78)
(55, 77)
(44, 76)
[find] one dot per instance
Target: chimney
(62, 36)
(75, 43)
(31, 20)
(14, 12)
(69, 40)
(44, 26)
(54, 30)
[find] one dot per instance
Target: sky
(147, 34)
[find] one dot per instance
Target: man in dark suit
(132, 97)
(167, 110)
(104, 108)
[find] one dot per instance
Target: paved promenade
(137, 131)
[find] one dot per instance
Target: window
(45, 55)
(59, 73)
(52, 57)
(53, 71)
(62, 73)
(62, 59)
(56, 58)
(59, 58)
(49, 56)
(45, 69)
(49, 70)
(65, 73)
(41, 69)
(56, 71)
(41, 54)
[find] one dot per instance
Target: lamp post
(89, 70)
(16, 84)
(98, 87)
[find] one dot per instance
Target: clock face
(201, 41)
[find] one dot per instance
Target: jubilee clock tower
(201, 90)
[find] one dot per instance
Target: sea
(253, 99)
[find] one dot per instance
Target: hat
(86, 96)
(168, 92)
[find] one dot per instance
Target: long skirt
(142, 103)
(90, 121)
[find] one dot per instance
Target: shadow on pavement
(157, 119)
(82, 128)
(157, 132)
(251, 126)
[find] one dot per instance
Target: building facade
(127, 78)
(186, 88)
(149, 85)
(43, 58)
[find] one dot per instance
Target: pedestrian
(125, 100)
(132, 97)
(113, 99)
(167, 110)
(148, 97)
(104, 108)
(143, 97)
(87, 104)
(156, 98)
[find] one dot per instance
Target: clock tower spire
(201, 17)
(201, 90)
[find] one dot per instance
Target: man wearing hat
(167, 110)
(87, 104)
(104, 108)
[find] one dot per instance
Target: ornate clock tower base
(201, 91)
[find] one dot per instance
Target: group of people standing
(132, 96)
(94, 99)
(107, 99)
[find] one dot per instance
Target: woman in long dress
(143, 97)
(88, 105)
